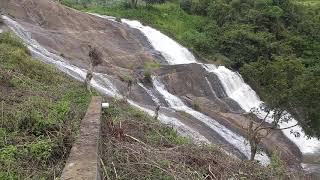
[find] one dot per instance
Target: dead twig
(212, 173)
(115, 171)
(127, 135)
(104, 168)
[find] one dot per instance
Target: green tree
(287, 86)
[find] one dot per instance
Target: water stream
(236, 140)
(100, 81)
(233, 84)
(242, 93)
(174, 53)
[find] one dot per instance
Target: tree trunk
(133, 4)
(88, 78)
(253, 151)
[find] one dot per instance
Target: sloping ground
(40, 109)
(68, 33)
(135, 146)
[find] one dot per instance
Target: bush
(147, 77)
(186, 5)
(196, 105)
(41, 150)
(200, 7)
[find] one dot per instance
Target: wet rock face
(68, 33)
(191, 81)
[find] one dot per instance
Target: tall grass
(41, 110)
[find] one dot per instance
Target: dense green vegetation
(40, 113)
(275, 44)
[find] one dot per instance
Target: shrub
(8, 154)
(186, 5)
(147, 77)
(196, 105)
(126, 78)
(41, 150)
(277, 165)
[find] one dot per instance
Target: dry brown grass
(145, 149)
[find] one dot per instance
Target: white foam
(236, 140)
(247, 98)
(232, 82)
(173, 52)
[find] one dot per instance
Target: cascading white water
(173, 52)
(232, 82)
(242, 93)
(154, 98)
(111, 18)
(43, 54)
(235, 87)
(100, 81)
(236, 140)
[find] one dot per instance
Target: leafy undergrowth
(135, 146)
(40, 112)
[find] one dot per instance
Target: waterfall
(236, 140)
(232, 82)
(235, 87)
(99, 81)
(242, 93)
(149, 92)
(173, 52)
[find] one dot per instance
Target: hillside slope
(40, 109)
